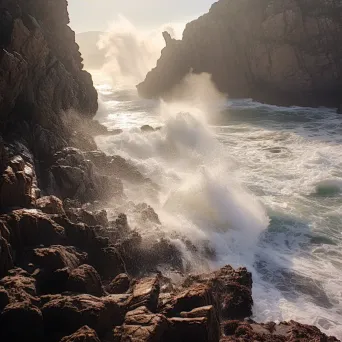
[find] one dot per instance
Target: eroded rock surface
(275, 51)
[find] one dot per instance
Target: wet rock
(73, 176)
(28, 228)
(50, 205)
(212, 321)
(21, 321)
(147, 128)
(120, 284)
(141, 325)
(84, 334)
(146, 293)
(271, 332)
(85, 279)
(197, 296)
(20, 286)
(18, 184)
(232, 290)
(65, 314)
(58, 257)
(192, 330)
(95, 218)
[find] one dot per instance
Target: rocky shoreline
(68, 272)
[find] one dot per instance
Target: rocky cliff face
(280, 52)
(41, 75)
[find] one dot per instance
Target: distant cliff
(283, 52)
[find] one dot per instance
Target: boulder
(198, 295)
(74, 176)
(65, 314)
(28, 228)
(232, 290)
(142, 326)
(57, 257)
(20, 286)
(50, 205)
(21, 322)
(146, 293)
(18, 184)
(283, 332)
(85, 279)
(119, 285)
(84, 334)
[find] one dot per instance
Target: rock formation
(68, 271)
(274, 51)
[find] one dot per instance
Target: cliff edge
(274, 51)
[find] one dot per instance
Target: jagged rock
(18, 184)
(50, 205)
(146, 293)
(20, 286)
(197, 296)
(64, 315)
(280, 52)
(231, 288)
(21, 322)
(95, 218)
(57, 257)
(142, 326)
(84, 334)
(4, 298)
(85, 279)
(192, 330)
(28, 228)
(42, 74)
(73, 176)
(212, 321)
(147, 128)
(291, 331)
(119, 285)
(118, 167)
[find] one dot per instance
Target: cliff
(274, 51)
(41, 75)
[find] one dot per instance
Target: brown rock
(6, 258)
(119, 285)
(27, 228)
(21, 321)
(231, 288)
(17, 184)
(146, 293)
(197, 296)
(50, 205)
(57, 257)
(142, 326)
(85, 279)
(20, 286)
(64, 315)
(84, 334)
(271, 332)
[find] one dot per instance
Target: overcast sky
(94, 15)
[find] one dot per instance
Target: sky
(96, 15)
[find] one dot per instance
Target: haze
(95, 15)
